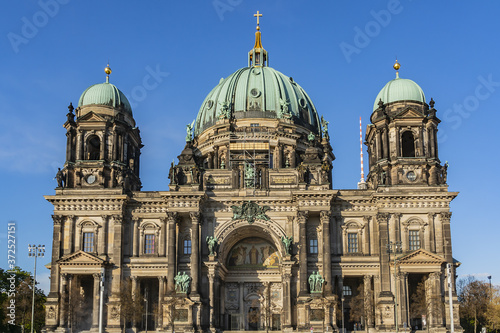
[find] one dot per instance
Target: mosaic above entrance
(253, 253)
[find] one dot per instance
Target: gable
(81, 258)
(408, 113)
(91, 116)
(421, 257)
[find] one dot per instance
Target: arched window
(408, 144)
(93, 147)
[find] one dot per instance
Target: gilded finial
(258, 56)
(107, 70)
(396, 66)
(257, 16)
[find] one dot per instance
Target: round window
(255, 92)
(411, 176)
(91, 179)
(210, 104)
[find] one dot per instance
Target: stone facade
(251, 235)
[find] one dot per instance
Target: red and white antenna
(361, 150)
(361, 184)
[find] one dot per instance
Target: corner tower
(103, 143)
(402, 137)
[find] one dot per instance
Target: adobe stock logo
(222, 6)
(363, 37)
(31, 27)
(460, 111)
(150, 82)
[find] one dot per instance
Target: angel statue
(189, 131)
(212, 243)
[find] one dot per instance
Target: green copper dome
(399, 90)
(105, 94)
(257, 92)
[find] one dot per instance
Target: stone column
(102, 151)
(115, 145)
(135, 236)
(378, 143)
(171, 219)
(287, 299)
(216, 157)
(70, 220)
(280, 156)
(101, 247)
(384, 256)
(367, 232)
(327, 259)
(69, 140)
(161, 294)
(135, 286)
(195, 254)
(163, 236)
(445, 219)
(293, 161)
(398, 141)
(338, 235)
(368, 300)
(241, 286)
(302, 219)
(212, 270)
(64, 291)
(432, 241)
(79, 144)
(433, 297)
(117, 255)
(95, 301)
(56, 254)
(397, 225)
(385, 145)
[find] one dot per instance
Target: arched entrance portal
(253, 298)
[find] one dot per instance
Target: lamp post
(491, 295)
(395, 247)
(342, 312)
(34, 251)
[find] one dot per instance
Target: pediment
(419, 257)
(408, 112)
(91, 116)
(81, 258)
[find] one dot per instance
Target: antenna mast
(361, 184)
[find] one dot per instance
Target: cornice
(94, 203)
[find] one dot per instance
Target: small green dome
(258, 92)
(105, 94)
(399, 90)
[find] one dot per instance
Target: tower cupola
(402, 137)
(103, 143)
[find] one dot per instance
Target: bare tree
(493, 311)
(418, 305)
(362, 305)
(131, 306)
(77, 306)
(473, 296)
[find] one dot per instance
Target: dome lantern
(258, 55)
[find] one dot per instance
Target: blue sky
(166, 56)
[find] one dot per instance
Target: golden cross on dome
(258, 16)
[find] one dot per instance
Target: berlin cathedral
(251, 235)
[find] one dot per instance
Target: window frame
(313, 246)
(85, 242)
(187, 247)
(355, 237)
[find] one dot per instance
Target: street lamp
(343, 311)
(395, 247)
(491, 295)
(34, 251)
